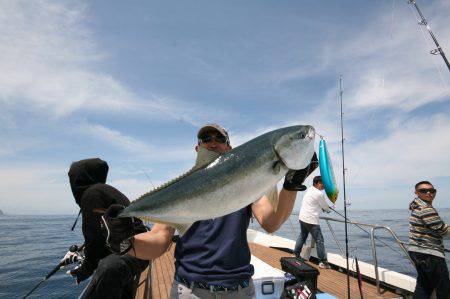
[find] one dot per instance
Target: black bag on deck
(301, 270)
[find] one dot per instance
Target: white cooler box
(269, 281)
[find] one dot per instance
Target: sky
(132, 82)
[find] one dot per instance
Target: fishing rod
(343, 179)
(64, 262)
(424, 22)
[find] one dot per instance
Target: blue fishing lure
(327, 173)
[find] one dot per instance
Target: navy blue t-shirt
(216, 251)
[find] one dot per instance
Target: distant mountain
(1, 213)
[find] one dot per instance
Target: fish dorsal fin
(204, 158)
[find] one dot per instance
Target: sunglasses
(426, 190)
(208, 138)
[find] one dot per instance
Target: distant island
(1, 213)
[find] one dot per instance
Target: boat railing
(373, 238)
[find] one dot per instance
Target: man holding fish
(211, 206)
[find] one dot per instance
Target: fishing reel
(76, 248)
(74, 255)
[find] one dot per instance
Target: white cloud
(393, 72)
(50, 59)
(385, 61)
(133, 188)
(416, 149)
(51, 63)
(130, 145)
(10, 145)
(35, 189)
(117, 139)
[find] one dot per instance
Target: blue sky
(132, 83)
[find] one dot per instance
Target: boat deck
(330, 281)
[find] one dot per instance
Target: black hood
(85, 173)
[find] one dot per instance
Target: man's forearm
(271, 220)
(285, 205)
(152, 244)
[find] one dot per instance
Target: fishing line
(436, 65)
(145, 173)
(429, 45)
(355, 265)
(392, 19)
(354, 252)
(343, 183)
(294, 233)
(321, 136)
(307, 174)
(369, 123)
(400, 253)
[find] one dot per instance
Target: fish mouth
(311, 133)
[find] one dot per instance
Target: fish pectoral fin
(276, 167)
(182, 227)
(272, 195)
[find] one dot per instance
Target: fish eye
(301, 135)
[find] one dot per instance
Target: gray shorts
(181, 291)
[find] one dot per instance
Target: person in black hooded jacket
(116, 274)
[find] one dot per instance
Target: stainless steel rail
(373, 238)
(335, 239)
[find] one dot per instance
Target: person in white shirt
(313, 204)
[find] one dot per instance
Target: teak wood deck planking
(329, 281)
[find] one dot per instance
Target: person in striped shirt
(426, 248)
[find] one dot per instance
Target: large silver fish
(231, 182)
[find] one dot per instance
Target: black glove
(294, 179)
(118, 231)
(82, 271)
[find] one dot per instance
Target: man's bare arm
(152, 244)
(265, 214)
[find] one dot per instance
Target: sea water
(31, 246)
